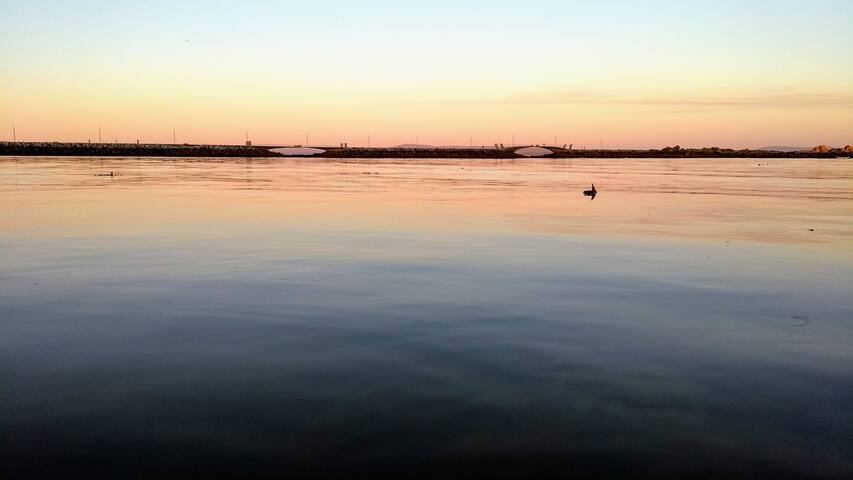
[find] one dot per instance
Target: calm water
(449, 318)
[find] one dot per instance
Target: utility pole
(471, 141)
(174, 138)
(14, 134)
(306, 139)
(368, 140)
(99, 135)
(513, 139)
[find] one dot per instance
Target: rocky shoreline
(187, 150)
(59, 149)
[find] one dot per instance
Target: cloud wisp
(779, 100)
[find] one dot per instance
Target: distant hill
(786, 149)
(414, 145)
(433, 147)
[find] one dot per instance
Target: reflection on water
(444, 317)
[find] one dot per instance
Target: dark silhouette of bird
(591, 192)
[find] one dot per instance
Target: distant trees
(846, 150)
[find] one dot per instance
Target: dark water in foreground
(441, 318)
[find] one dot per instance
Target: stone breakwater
(129, 150)
(187, 150)
(557, 152)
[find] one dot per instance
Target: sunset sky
(637, 74)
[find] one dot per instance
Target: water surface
(175, 317)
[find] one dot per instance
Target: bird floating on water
(591, 192)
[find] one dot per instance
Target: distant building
(248, 143)
(820, 149)
(848, 149)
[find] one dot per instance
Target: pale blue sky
(797, 32)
